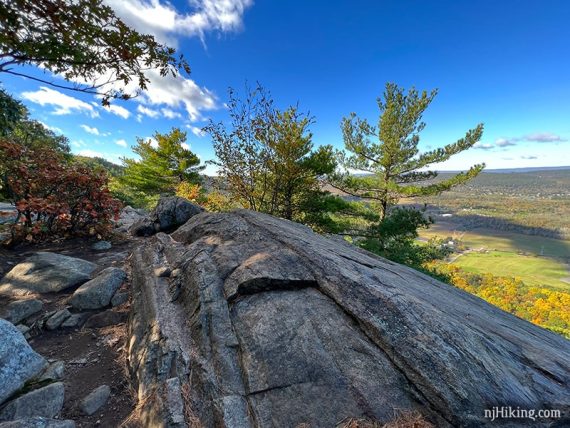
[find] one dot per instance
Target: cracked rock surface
(268, 324)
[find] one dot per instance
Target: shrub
(189, 191)
(54, 197)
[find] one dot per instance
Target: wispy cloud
(63, 104)
(482, 146)
(544, 137)
(121, 143)
(147, 111)
(118, 110)
(170, 114)
(167, 24)
(529, 157)
(505, 142)
(196, 131)
(90, 130)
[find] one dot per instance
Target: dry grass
(406, 419)
(190, 416)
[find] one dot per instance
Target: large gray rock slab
(98, 292)
(46, 273)
(268, 324)
(18, 361)
(46, 402)
(38, 422)
(170, 213)
(19, 310)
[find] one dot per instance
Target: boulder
(46, 273)
(127, 217)
(18, 361)
(170, 213)
(57, 319)
(269, 324)
(46, 402)
(98, 292)
(95, 400)
(38, 422)
(19, 310)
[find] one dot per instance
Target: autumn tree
(267, 158)
(388, 154)
(82, 41)
(164, 163)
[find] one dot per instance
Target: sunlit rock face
(262, 323)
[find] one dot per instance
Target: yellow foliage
(542, 306)
(188, 191)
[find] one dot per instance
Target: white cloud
(90, 130)
(121, 143)
(544, 137)
(178, 92)
(118, 110)
(482, 146)
(64, 104)
(529, 157)
(185, 146)
(170, 114)
(166, 23)
(196, 131)
(147, 111)
(505, 142)
(51, 128)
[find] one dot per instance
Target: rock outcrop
(170, 213)
(268, 324)
(46, 273)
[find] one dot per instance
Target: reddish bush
(54, 197)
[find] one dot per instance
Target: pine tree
(393, 165)
(164, 163)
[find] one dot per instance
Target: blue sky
(504, 63)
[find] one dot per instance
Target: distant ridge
(520, 170)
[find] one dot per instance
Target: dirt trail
(92, 356)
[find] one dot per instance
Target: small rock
(107, 318)
(38, 422)
(75, 320)
(18, 361)
(162, 271)
(22, 309)
(55, 371)
(97, 293)
(119, 298)
(101, 246)
(175, 273)
(57, 319)
(46, 402)
(95, 400)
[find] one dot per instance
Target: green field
(502, 241)
(533, 270)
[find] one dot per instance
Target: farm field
(533, 270)
(512, 224)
